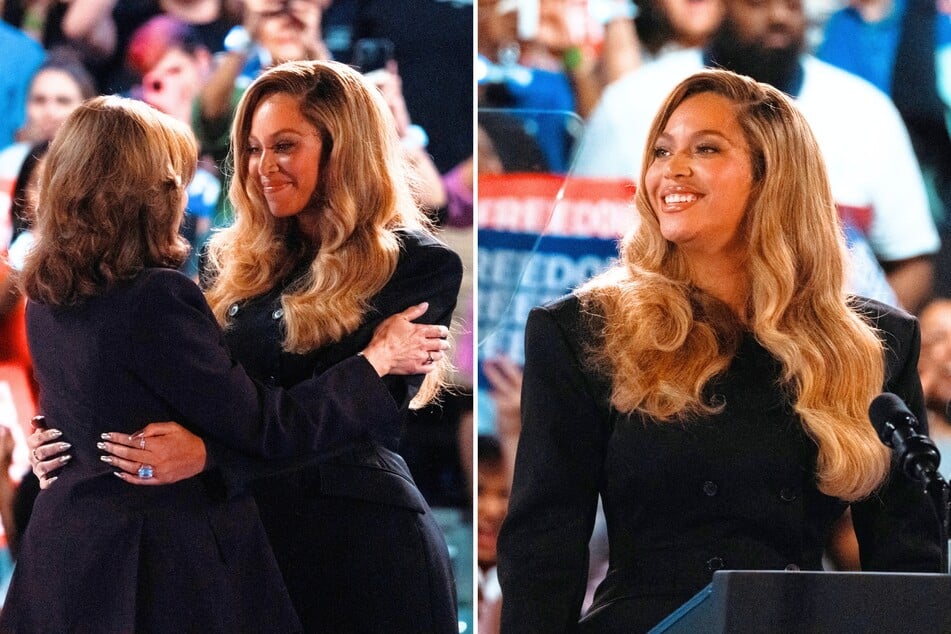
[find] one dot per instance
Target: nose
(781, 12)
(677, 165)
(266, 162)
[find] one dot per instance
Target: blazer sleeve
(898, 528)
(543, 543)
(177, 350)
(429, 272)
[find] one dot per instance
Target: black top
(735, 490)
(354, 538)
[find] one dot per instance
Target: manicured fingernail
(119, 475)
(105, 436)
(65, 458)
(100, 445)
(63, 446)
(106, 458)
(50, 481)
(55, 433)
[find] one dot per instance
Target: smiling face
(284, 151)
(700, 177)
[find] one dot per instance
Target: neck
(726, 279)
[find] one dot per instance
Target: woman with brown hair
(120, 338)
(713, 387)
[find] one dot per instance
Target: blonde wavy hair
(110, 200)
(365, 199)
(664, 340)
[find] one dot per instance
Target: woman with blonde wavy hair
(327, 243)
(712, 387)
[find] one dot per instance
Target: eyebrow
(704, 132)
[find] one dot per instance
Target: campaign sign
(540, 236)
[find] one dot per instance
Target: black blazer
(103, 555)
(355, 539)
(730, 491)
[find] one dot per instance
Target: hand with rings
(47, 452)
(402, 347)
(162, 453)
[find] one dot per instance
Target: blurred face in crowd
(762, 39)
(700, 177)
(290, 28)
(934, 364)
(172, 84)
(769, 25)
(493, 503)
(284, 152)
(693, 21)
(53, 96)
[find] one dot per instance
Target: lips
(273, 187)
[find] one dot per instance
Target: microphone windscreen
(885, 408)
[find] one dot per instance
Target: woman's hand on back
(162, 453)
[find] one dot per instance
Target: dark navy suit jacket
(105, 556)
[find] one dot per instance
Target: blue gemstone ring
(146, 471)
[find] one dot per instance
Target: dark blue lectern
(740, 601)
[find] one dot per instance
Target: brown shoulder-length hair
(364, 196)
(110, 200)
(665, 340)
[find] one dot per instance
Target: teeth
(672, 199)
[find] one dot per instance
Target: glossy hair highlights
(110, 200)
(664, 340)
(364, 199)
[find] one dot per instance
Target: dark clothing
(433, 48)
(355, 540)
(106, 556)
(735, 490)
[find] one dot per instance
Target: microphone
(897, 427)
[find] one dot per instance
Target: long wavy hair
(364, 197)
(110, 200)
(664, 340)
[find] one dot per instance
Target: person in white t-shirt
(875, 177)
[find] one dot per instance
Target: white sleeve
(902, 226)
(609, 147)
